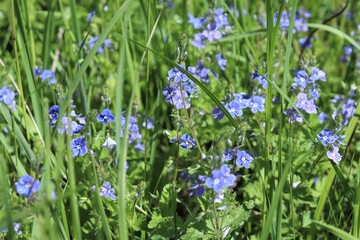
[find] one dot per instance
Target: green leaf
(336, 231)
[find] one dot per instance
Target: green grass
(292, 190)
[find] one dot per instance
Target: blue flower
(16, 228)
(323, 117)
(8, 97)
(227, 156)
(256, 76)
(176, 75)
(333, 154)
(101, 49)
(294, 116)
(243, 159)
(303, 103)
(257, 104)
(284, 20)
(47, 74)
(218, 114)
(105, 116)
(220, 179)
(69, 126)
(300, 80)
(221, 61)
(234, 108)
(186, 142)
(327, 137)
(90, 16)
(220, 18)
(196, 22)
(198, 187)
(27, 186)
(78, 147)
(54, 114)
(109, 143)
(107, 191)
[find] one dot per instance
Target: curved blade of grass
(336, 32)
(88, 59)
(336, 231)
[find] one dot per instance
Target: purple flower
(212, 32)
(220, 179)
(186, 142)
(221, 61)
(78, 147)
(105, 116)
(74, 126)
(27, 186)
(243, 159)
(91, 16)
(347, 50)
(327, 137)
(305, 104)
(107, 191)
(302, 41)
(257, 104)
(16, 228)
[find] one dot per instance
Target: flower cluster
(216, 26)
(301, 17)
(93, 40)
(72, 124)
(16, 228)
(186, 142)
(107, 191)
(239, 102)
(27, 186)
(306, 83)
(220, 179)
(180, 90)
(7, 96)
(46, 75)
(331, 141)
(243, 158)
(135, 137)
(346, 108)
(197, 187)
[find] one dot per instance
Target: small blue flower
(227, 156)
(8, 97)
(198, 187)
(294, 116)
(54, 114)
(196, 22)
(323, 117)
(333, 154)
(107, 191)
(303, 103)
(90, 16)
(220, 179)
(109, 143)
(176, 75)
(78, 146)
(105, 116)
(101, 49)
(186, 142)
(243, 159)
(221, 61)
(47, 74)
(234, 109)
(27, 186)
(257, 104)
(212, 32)
(218, 114)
